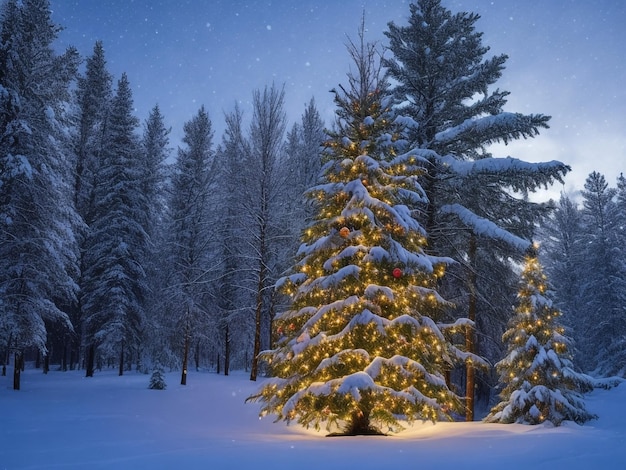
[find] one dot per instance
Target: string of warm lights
(358, 344)
(538, 382)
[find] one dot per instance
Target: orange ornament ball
(344, 232)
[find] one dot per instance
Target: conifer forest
(380, 268)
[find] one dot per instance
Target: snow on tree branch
(502, 127)
(486, 228)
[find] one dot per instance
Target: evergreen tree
(190, 234)
(303, 166)
(114, 287)
(604, 286)
(539, 381)
(563, 246)
(360, 344)
(616, 364)
(263, 218)
(93, 99)
(305, 145)
(442, 93)
(157, 379)
(232, 299)
(155, 146)
(38, 249)
(92, 102)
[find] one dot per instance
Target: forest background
(118, 250)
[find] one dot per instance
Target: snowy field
(64, 420)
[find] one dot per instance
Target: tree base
(359, 425)
(365, 432)
(360, 428)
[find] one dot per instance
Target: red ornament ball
(397, 272)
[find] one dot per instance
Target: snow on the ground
(63, 420)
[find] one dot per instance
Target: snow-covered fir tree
(260, 203)
(563, 247)
(156, 150)
(537, 374)
(360, 346)
(39, 262)
(604, 283)
(155, 144)
(93, 100)
(157, 379)
(303, 165)
(232, 321)
(442, 87)
(189, 236)
(617, 350)
(114, 287)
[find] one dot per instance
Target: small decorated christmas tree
(539, 381)
(360, 346)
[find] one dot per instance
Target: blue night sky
(566, 60)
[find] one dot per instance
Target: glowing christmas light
(534, 388)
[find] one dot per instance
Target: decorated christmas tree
(540, 383)
(360, 346)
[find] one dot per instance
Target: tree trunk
(259, 311)
(17, 370)
(46, 363)
(121, 365)
(74, 364)
(226, 351)
(219, 364)
(470, 343)
(196, 356)
(360, 425)
(64, 360)
(272, 315)
(5, 360)
(91, 352)
(183, 377)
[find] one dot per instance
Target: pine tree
(539, 381)
(93, 99)
(303, 166)
(617, 350)
(261, 206)
(604, 286)
(190, 234)
(443, 80)
(38, 248)
(360, 344)
(114, 287)
(563, 249)
(155, 147)
(233, 318)
(157, 379)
